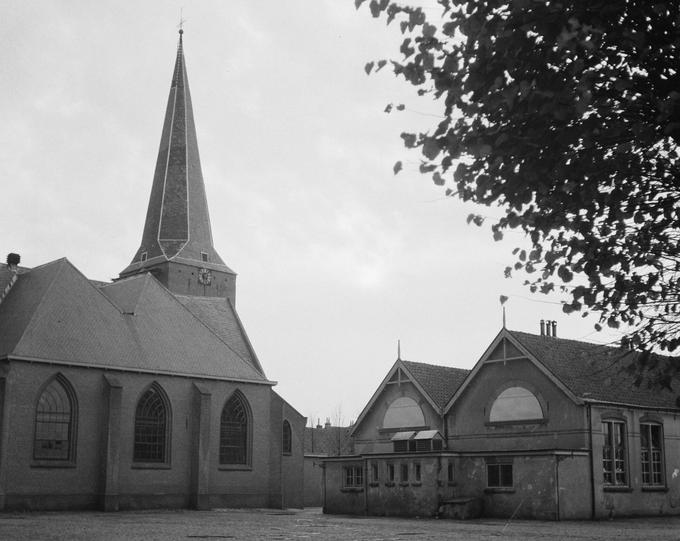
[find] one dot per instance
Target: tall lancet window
(152, 426)
(235, 431)
(55, 422)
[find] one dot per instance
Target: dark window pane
(150, 427)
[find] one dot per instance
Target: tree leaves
(567, 116)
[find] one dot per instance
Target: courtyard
(312, 524)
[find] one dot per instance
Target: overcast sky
(337, 258)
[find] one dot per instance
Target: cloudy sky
(337, 258)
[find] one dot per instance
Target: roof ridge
(244, 335)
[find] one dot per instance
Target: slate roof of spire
(54, 314)
(177, 222)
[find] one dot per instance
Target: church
(542, 427)
(146, 391)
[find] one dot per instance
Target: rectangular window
(204, 257)
(404, 473)
(499, 475)
(614, 453)
(449, 473)
(416, 472)
(651, 454)
(374, 473)
(143, 257)
(354, 477)
(390, 473)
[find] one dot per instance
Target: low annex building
(541, 427)
(143, 392)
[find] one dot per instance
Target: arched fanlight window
(287, 438)
(55, 422)
(152, 426)
(402, 413)
(234, 431)
(516, 404)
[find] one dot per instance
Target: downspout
(365, 486)
(557, 485)
(592, 465)
(323, 486)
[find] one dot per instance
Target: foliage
(566, 114)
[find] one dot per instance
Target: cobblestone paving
(312, 524)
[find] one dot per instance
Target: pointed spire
(398, 350)
(177, 226)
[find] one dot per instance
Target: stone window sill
(389, 484)
(499, 490)
(615, 488)
(373, 484)
(416, 484)
(235, 467)
(53, 464)
(351, 489)
(654, 488)
(150, 466)
(403, 484)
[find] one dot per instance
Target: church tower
(177, 246)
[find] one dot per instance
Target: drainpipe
(365, 486)
(323, 486)
(592, 465)
(557, 485)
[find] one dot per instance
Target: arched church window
(403, 412)
(287, 438)
(515, 404)
(152, 426)
(234, 431)
(55, 422)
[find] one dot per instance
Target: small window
(614, 453)
(152, 427)
(390, 473)
(204, 257)
(374, 473)
(404, 473)
(651, 454)
(287, 438)
(416, 472)
(499, 475)
(55, 422)
(449, 472)
(354, 477)
(143, 257)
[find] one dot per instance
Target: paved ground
(312, 524)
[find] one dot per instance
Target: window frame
(527, 386)
(404, 473)
(502, 470)
(352, 477)
(286, 438)
(620, 451)
(163, 461)
(647, 475)
(246, 464)
(69, 460)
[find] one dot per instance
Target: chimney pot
(554, 327)
(542, 327)
(13, 259)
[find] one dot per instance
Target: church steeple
(177, 245)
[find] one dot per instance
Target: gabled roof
(436, 383)
(597, 372)
(582, 370)
(439, 382)
(54, 314)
